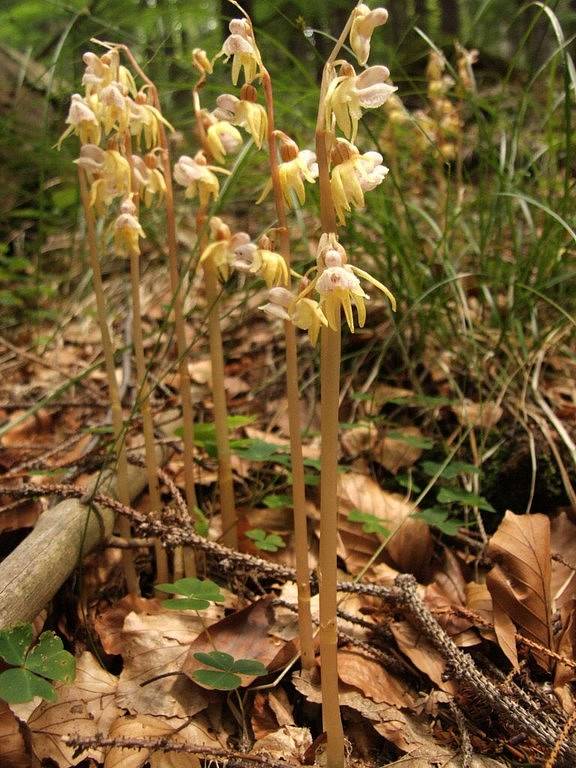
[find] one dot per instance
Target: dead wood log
(32, 574)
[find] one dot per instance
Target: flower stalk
(305, 626)
(213, 298)
(130, 573)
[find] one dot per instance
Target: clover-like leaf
(449, 495)
(268, 542)
(216, 659)
(18, 685)
(219, 681)
(370, 523)
(277, 501)
(197, 594)
(14, 643)
(50, 660)
(440, 518)
(251, 667)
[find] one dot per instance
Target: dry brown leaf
(479, 600)
(195, 734)
(563, 543)
(564, 673)
(85, 707)
(288, 743)
(154, 645)
(12, 745)
(381, 394)
(519, 582)
(422, 654)
(364, 672)
(359, 439)
(244, 635)
(409, 548)
(109, 624)
(444, 758)
(471, 414)
(395, 454)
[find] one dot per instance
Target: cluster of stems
(113, 108)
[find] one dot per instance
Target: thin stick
(305, 626)
(124, 527)
(213, 294)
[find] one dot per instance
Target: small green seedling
(441, 519)
(277, 501)
(459, 496)
(267, 542)
(197, 594)
(225, 670)
(370, 523)
(32, 665)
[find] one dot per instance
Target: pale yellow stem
(144, 391)
(305, 626)
(130, 573)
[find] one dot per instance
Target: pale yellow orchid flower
(352, 175)
(198, 177)
(305, 313)
(222, 139)
(108, 173)
(224, 252)
(127, 230)
(145, 120)
(244, 112)
(242, 46)
(363, 25)
(349, 93)
(149, 178)
(297, 166)
(82, 121)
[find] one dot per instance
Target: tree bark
(32, 574)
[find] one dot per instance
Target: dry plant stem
(225, 477)
(305, 626)
(130, 573)
(147, 422)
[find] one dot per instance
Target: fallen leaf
(288, 743)
(85, 707)
(364, 672)
(563, 543)
(110, 623)
(422, 654)
(471, 414)
(359, 439)
(519, 582)
(394, 453)
(156, 645)
(12, 745)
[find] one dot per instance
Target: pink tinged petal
(239, 27)
(275, 311)
(371, 76)
(228, 104)
(237, 44)
(375, 95)
(280, 296)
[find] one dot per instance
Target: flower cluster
(113, 111)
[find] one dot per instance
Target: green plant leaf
(370, 523)
(18, 686)
(220, 681)
(250, 667)
(277, 501)
(454, 469)
(440, 519)
(259, 450)
(216, 659)
(268, 542)
(14, 643)
(199, 593)
(450, 495)
(49, 659)
(201, 523)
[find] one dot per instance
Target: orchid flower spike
(364, 23)
(198, 177)
(127, 230)
(145, 120)
(339, 286)
(349, 93)
(296, 167)
(352, 175)
(244, 112)
(227, 248)
(115, 109)
(242, 46)
(305, 313)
